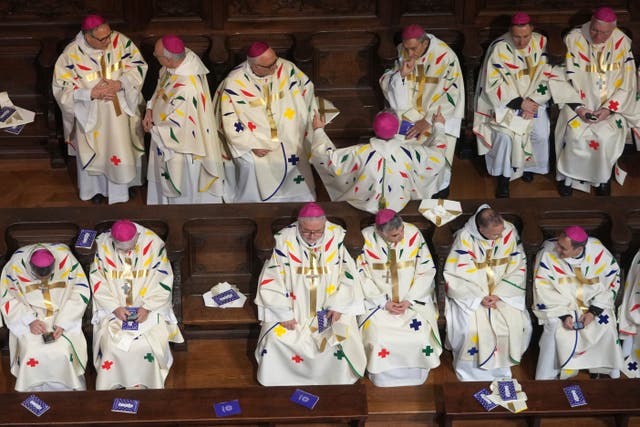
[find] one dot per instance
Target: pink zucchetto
(384, 216)
(576, 233)
(256, 49)
(173, 43)
(42, 258)
(385, 125)
(92, 21)
(311, 210)
(413, 31)
(605, 14)
(520, 18)
(123, 230)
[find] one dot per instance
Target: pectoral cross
(580, 281)
(312, 273)
(488, 265)
(530, 70)
(421, 79)
(46, 287)
(128, 275)
(105, 71)
(391, 268)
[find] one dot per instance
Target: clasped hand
(586, 318)
(397, 307)
(106, 89)
(490, 301)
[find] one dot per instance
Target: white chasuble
(105, 135)
(404, 271)
(58, 300)
(142, 277)
(486, 341)
(569, 286)
(184, 137)
(272, 113)
(380, 174)
(507, 74)
(298, 282)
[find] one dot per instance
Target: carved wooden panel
(217, 251)
(23, 234)
(47, 12)
(159, 227)
(597, 224)
(265, 10)
(432, 9)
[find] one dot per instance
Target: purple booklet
(131, 324)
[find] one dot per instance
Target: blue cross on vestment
(632, 366)
(239, 126)
(415, 324)
(603, 319)
(472, 351)
(293, 159)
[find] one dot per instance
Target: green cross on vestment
(339, 354)
(149, 357)
(298, 179)
(427, 351)
(542, 89)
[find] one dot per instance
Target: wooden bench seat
(200, 320)
(546, 399)
(191, 407)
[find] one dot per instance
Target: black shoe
(132, 192)
(97, 199)
(502, 190)
(442, 194)
(527, 176)
(564, 190)
(604, 189)
(595, 376)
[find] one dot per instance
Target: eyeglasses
(267, 67)
(311, 233)
(102, 39)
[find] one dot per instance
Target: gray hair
(173, 56)
(393, 224)
(305, 218)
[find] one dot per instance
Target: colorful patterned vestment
(105, 136)
(59, 300)
(141, 277)
(185, 162)
(298, 282)
(274, 113)
(486, 341)
(399, 342)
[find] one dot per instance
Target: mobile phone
(48, 338)
(577, 325)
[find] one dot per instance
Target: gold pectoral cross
(580, 281)
(487, 265)
(312, 273)
(421, 80)
(530, 70)
(160, 93)
(46, 287)
(266, 101)
(106, 74)
(127, 274)
(390, 269)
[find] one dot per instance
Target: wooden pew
(190, 407)
(546, 399)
